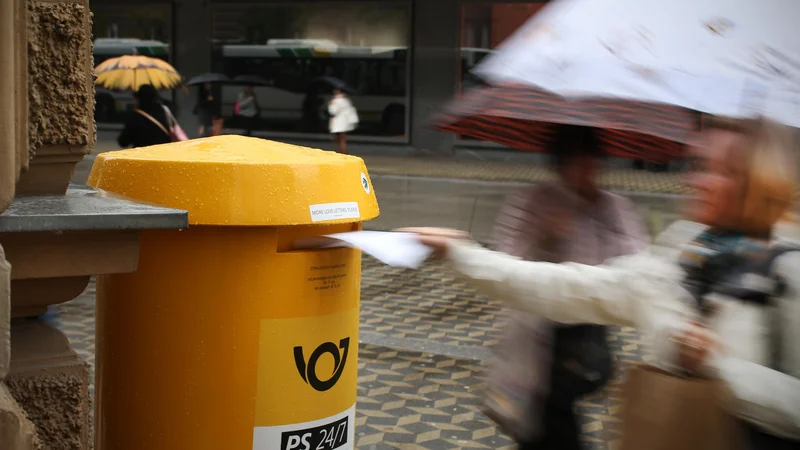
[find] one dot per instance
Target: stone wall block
(16, 431)
(51, 383)
(60, 76)
(60, 94)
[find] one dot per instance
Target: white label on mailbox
(334, 211)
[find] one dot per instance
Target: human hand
(439, 239)
(695, 344)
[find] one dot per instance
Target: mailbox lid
(242, 181)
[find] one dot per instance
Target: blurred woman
(344, 119)
(149, 122)
(745, 331)
(247, 109)
(570, 219)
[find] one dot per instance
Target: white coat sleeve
(637, 290)
(765, 397)
(336, 106)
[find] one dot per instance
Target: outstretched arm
(620, 292)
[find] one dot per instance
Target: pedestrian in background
(543, 368)
(247, 110)
(344, 118)
(209, 111)
(149, 123)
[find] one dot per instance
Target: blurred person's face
(248, 89)
(578, 173)
(715, 181)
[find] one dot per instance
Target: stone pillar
(45, 48)
(13, 97)
(16, 431)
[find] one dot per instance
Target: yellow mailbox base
(226, 339)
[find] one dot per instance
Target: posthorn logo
(308, 369)
(365, 183)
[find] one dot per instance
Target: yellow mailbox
(226, 337)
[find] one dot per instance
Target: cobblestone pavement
(424, 342)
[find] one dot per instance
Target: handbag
(664, 411)
(175, 131)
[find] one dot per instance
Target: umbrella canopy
(208, 78)
(130, 72)
(644, 70)
(336, 83)
(525, 118)
(249, 80)
(720, 57)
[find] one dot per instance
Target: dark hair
(148, 97)
(574, 141)
(150, 102)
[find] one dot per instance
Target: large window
(127, 30)
(295, 50)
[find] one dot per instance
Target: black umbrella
(249, 80)
(336, 83)
(208, 78)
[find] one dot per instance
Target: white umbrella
(734, 58)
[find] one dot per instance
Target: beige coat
(644, 291)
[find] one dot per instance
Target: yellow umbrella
(129, 72)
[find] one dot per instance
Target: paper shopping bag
(664, 411)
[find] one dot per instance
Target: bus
(289, 67)
(112, 106)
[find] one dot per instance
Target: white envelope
(391, 248)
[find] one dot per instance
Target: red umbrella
(525, 118)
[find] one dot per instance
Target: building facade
(403, 59)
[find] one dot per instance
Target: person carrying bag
(687, 410)
(151, 123)
(175, 132)
(718, 304)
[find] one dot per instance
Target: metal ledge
(86, 209)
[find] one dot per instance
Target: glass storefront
(126, 30)
(295, 53)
